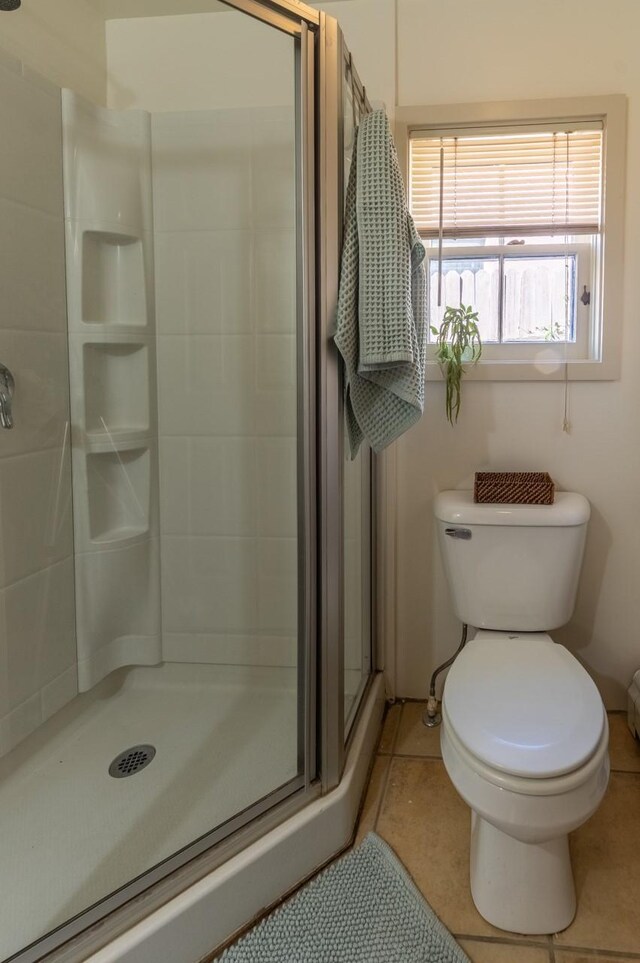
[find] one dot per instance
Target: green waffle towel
(381, 324)
(364, 909)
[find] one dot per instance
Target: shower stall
(188, 697)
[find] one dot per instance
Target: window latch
(585, 297)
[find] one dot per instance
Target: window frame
(528, 351)
(548, 360)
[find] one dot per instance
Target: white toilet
(524, 730)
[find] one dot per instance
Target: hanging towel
(381, 326)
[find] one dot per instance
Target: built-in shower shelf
(104, 332)
(116, 386)
(114, 406)
(113, 279)
(119, 488)
(120, 439)
(127, 535)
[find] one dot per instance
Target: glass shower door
(226, 221)
(180, 709)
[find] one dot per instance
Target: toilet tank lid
(459, 508)
(524, 705)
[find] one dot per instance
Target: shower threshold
(225, 736)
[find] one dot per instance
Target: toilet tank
(512, 566)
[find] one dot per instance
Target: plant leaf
(458, 334)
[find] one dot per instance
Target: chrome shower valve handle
(7, 387)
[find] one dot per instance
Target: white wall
(224, 212)
(198, 62)
(116, 9)
(369, 28)
(63, 40)
(541, 49)
(522, 51)
(37, 633)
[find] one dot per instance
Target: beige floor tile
(390, 728)
(503, 953)
(573, 956)
(624, 750)
(427, 824)
(414, 738)
(373, 796)
(607, 872)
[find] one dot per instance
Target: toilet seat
(527, 786)
(523, 706)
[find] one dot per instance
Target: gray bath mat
(362, 909)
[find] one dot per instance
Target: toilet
(524, 730)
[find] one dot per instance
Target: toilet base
(521, 887)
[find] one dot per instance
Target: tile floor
(411, 803)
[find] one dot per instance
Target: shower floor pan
(224, 737)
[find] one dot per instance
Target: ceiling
(124, 9)
(120, 9)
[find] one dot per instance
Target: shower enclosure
(186, 600)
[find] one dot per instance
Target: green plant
(457, 342)
(552, 332)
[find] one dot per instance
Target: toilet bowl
(525, 743)
(524, 730)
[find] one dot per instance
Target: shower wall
(225, 273)
(223, 145)
(37, 642)
(224, 216)
(203, 252)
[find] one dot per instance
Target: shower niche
(113, 279)
(116, 389)
(118, 512)
(109, 241)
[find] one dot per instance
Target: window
(512, 212)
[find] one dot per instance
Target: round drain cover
(131, 761)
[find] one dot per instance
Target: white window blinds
(511, 182)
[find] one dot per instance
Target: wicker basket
(516, 487)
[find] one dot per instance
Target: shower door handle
(7, 387)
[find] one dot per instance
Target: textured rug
(364, 908)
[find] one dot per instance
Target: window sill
(538, 370)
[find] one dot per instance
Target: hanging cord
(441, 209)
(455, 199)
(566, 424)
(440, 213)
(432, 717)
(455, 186)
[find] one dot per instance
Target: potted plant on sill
(458, 343)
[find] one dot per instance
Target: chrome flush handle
(7, 387)
(464, 533)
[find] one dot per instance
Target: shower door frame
(320, 57)
(333, 55)
(368, 479)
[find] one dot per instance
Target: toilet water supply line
(432, 716)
